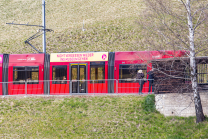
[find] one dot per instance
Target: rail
(77, 87)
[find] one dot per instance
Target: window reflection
(128, 73)
(22, 74)
(59, 74)
(97, 72)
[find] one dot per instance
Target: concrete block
(179, 104)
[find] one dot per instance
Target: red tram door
(78, 77)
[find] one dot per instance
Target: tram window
(202, 73)
(22, 74)
(128, 73)
(59, 74)
(97, 72)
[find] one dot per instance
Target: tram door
(78, 78)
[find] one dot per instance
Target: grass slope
(110, 25)
(92, 117)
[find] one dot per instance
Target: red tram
(77, 73)
(1, 64)
(25, 68)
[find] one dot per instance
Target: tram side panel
(26, 74)
(78, 73)
(98, 77)
(127, 64)
(126, 75)
(1, 70)
(82, 77)
(59, 78)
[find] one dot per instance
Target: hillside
(110, 25)
(92, 117)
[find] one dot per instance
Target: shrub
(148, 104)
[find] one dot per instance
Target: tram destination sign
(71, 57)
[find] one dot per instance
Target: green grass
(92, 117)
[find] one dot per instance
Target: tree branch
(199, 23)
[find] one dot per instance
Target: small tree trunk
(197, 101)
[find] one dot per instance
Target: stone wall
(175, 104)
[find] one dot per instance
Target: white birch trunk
(197, 101)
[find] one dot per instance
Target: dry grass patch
(63, 17)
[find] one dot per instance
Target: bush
(148, 104)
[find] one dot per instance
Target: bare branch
(184, 5)
(201, 9)
(199, 23)
(172, 32)
(176, 35)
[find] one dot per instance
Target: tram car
(77, 73)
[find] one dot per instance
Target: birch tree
(197, 101)
(181, 24)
